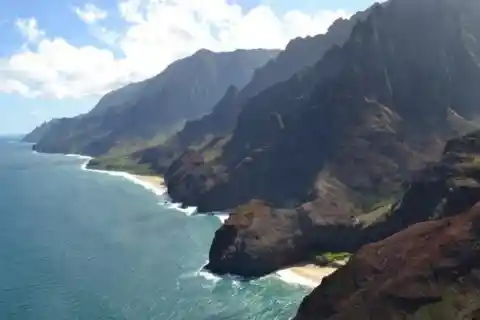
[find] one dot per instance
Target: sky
(58, 57)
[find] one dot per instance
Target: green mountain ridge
(214, 128)
(148, 112)
(326, 147)
(422, 258)
(370, 147)
(258, 239)
(350, 129)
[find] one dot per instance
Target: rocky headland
(430, 270)
(258, 239)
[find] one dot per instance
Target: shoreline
(308, 275)
(152, 183)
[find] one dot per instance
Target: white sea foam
(285, 275)
(19, 142)
(156, 189)
(291, 277)
(223, 217)
(207, 275)
(159, 190)
(188, 211)
(78, 156)
(201, 272)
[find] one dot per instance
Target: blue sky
(58, 57)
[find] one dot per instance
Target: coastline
(152, 183)
(309, 276)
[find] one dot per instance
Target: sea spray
(285, 275)
(78, 156)
(214, 278)
(158, 190)
(291, 277)
(223, 217)
(188, 211)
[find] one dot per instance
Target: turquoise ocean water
(82, 245)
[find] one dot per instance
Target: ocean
(76, 244)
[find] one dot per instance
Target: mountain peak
(203, 52)
(155, 108)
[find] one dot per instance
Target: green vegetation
(377, 208)
(120, 163)
(211, 154)
(373, 202)
(329, 258)
(476, 160)
(453, 306)
(123, 157)
(146, 114)
(214, 148)
(384, 203)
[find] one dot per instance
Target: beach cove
(307, 275)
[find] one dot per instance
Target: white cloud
(156, 33)
(14, 86)
(29, 29)
(90, 13)
(58, 69)
(130, 10)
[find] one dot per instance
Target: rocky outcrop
(428, 271)
(190, 161)
(442, 189)
(258, 239)
(347, 132)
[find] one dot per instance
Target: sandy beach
(153, 181)
(308, 275)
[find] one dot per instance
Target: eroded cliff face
(258, 239)
(346, 133)
(428, 271)
(204, 134)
